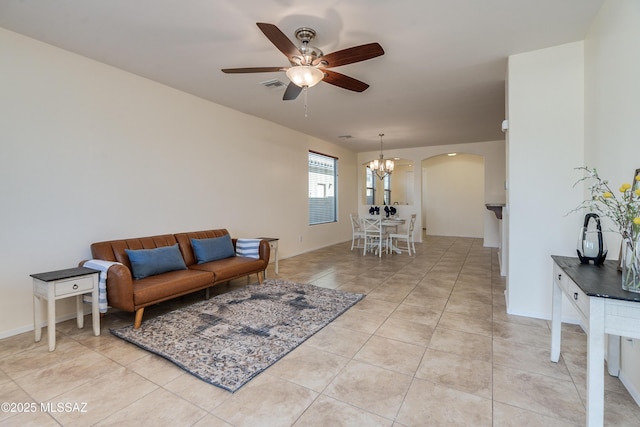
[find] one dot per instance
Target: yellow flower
(623, 210)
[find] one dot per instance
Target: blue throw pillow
(249, 248)
(149, 262)
(212, 249)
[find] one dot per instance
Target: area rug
(231, 338)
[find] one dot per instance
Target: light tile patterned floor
(430, 345)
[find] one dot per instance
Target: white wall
(454, 195)
(89, 153)
(612, 137)
(493, 153)
(402, 184)
(546, 132)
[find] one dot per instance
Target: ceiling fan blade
(351, 55)
(292, 92)
(344, 82)
(279, 40)
(252, 70)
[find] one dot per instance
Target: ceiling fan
(309, 65)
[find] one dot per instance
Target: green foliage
(622, 208)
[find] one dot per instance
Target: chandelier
(381, 167)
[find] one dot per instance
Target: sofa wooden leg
(260, 277)
(138, 321)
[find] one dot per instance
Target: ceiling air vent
(273, 84)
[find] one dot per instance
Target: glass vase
(631, 263)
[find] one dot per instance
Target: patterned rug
(231, 338)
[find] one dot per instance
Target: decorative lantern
(591, 245)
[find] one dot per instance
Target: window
(372, 183)
(387, 190)
(370, 187)
(322, 188)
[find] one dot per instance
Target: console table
(604, 308)
(55, 285)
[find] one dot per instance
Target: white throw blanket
(103, 267)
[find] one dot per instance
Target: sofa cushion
(206, 250)
(169, 285)
(149, 262)
(231, 268)
(248, 248)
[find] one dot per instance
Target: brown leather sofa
(133, 295)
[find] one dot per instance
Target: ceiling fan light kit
(309, 66)
(305, 75)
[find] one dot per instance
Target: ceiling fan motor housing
(305, 34)
(309, 53)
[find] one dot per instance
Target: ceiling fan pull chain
(305, 101)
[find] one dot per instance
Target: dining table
(393, 223)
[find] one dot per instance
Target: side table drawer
(579, 299)
(76, 285)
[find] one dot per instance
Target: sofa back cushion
(212, 248)
(115, 250)
(184, 242)
(149, 262)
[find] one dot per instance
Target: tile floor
(430, 345)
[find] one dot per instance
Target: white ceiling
(441, 80)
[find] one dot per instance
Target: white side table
(55, 285)
(273, 244)
(604, 308)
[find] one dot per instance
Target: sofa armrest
(120, 288)
(264, 252)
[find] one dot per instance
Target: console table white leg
(37, 317)
(51, 319)
(595, 364)
(556, 323)
(613, 355)
(79, 312)
(95, 312)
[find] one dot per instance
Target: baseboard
(27, 328)
(533, 314)
(630, 387)
(503, 267)
(544, 316)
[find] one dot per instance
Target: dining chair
(407, 237)
(374, 235)
(357, 233)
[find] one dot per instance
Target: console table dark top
(604, 281)
(67, 273)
